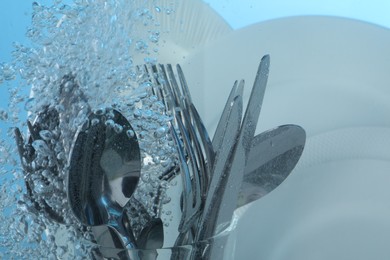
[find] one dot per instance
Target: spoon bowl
(104, 171)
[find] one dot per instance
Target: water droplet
(39, 186)
(154, 36)
(166, 200)
(46, 135)
(99, 111)
(30, 104)
(160, 132)
(130, 133)
(137, 113)
(95, 121)
(110, 123)
(145, 177)
(41, 147)
(142, 134)
(147, 114)
(141, 46)
(7, 72)
(3, 115)
(118, 128)
(169, 11)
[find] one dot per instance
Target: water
(80, 58)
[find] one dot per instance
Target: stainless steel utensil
(109, 240)
(230, 126)
(218, 204)
(47, 119)
(217, 215)
(206, 144)
(193, 148)
(44, 156)
(152, 235)
(219, 135)
(104, 171)
(186, 131)
(272, 157)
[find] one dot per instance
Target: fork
(191, 139)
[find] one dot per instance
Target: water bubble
(145, 177)
(110, 123)
(3, 115)
(137, 113)
(7, 72)
(130, 133)
(156, 159)
(118, 128)
(46, 135)
(60, 108)
(95, 121)
(154, 36)
(99, 111)
(142, 134)
(41, 147)
(39, 186)
(160, 132)
(150, 60)
(110, 113)
(92, 42)
(169, 11)
(166, 200)
(147, 114)
(30, 104)
(141, 46)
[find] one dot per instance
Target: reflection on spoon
(104, 171)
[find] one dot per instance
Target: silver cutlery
(218, 175)
(34, 156)
(104, 171)
(192, 162)
(272, 157)
(218, 213)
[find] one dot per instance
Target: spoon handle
(122, 227)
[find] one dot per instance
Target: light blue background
(15, 16)
(240, 13)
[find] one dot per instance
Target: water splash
(80, 57)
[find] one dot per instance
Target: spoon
(104, 170)
(152, 235)
(149, 239)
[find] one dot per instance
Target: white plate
(331, 76)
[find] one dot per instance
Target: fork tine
(185, 104)
(207, 146)
(190, 153)
(167, 95)
(173, 84)
(183, 83)
(188, 200)
(194, 198)
(187, 117)
(191, 149)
